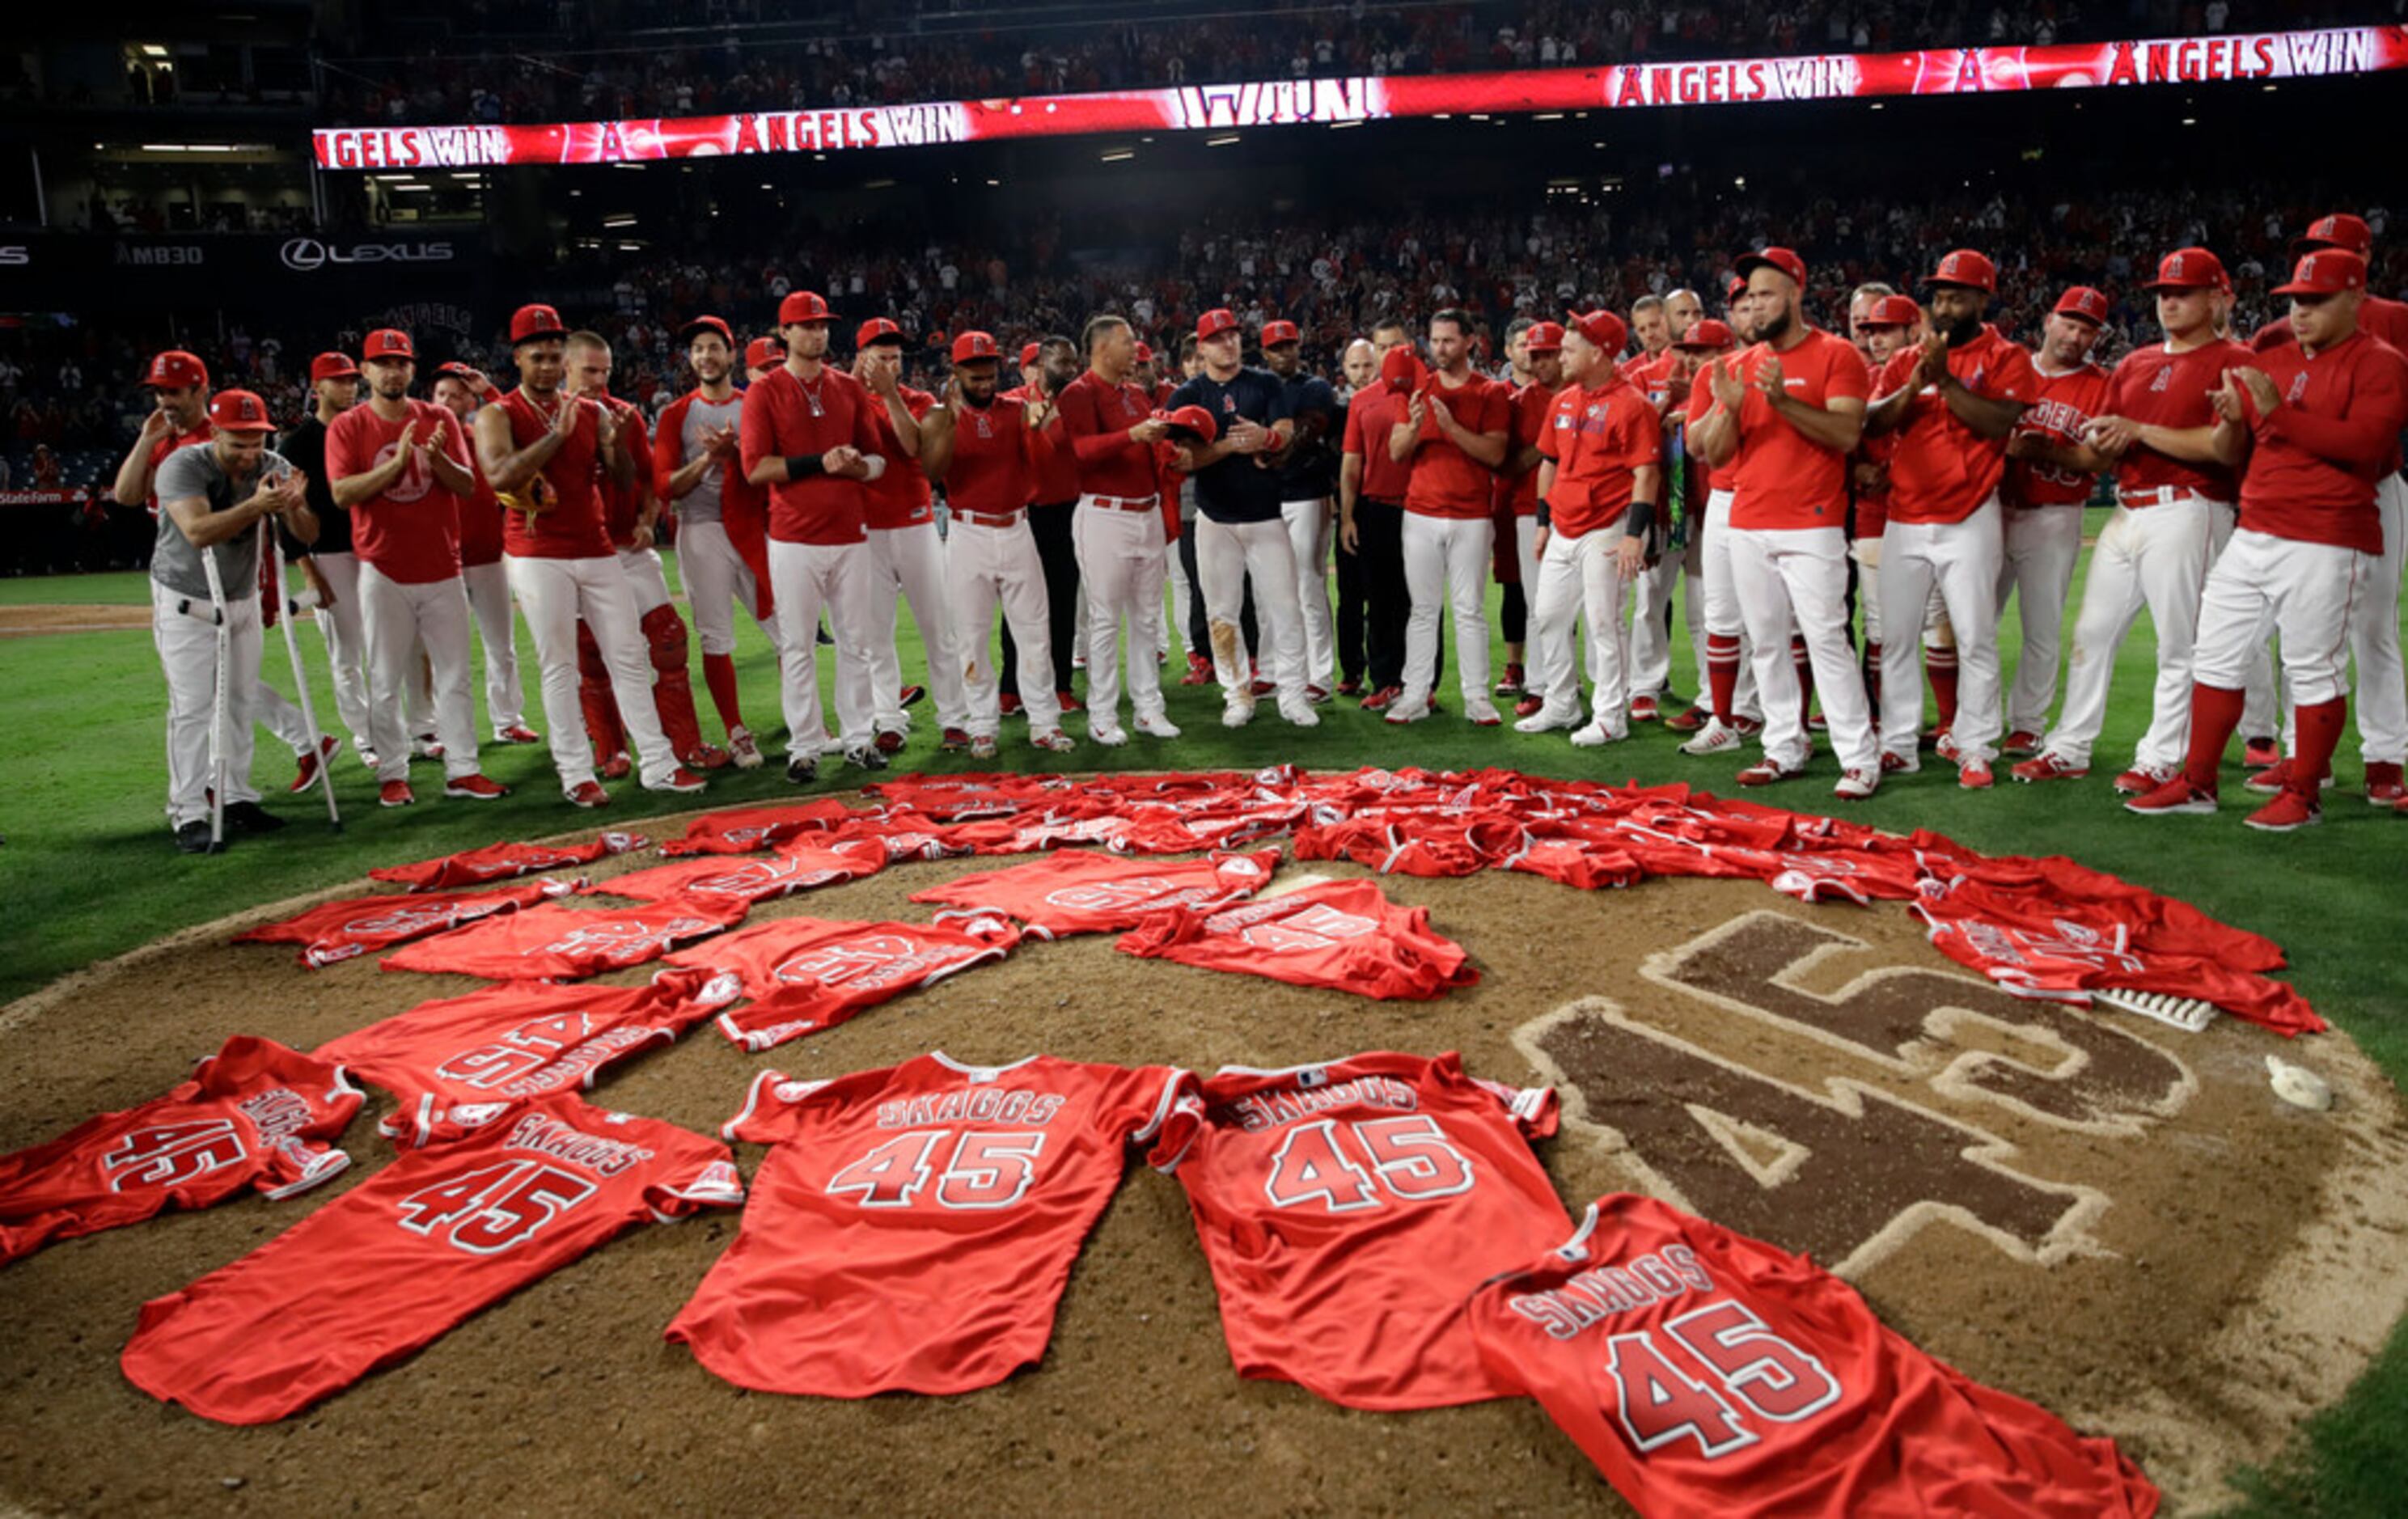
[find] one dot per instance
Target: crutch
(292, 605)
(218, 703)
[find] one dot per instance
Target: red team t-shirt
(571, 525)
(480, 510)
(501, 1195)
(2063, 405)
(1940, 469)
(1349, 1208)
(1340, 933)
(1779, 479)
(1075, 893)
(255, 1114)
(345, 930)
(567, 943)
(805, 975)
(787, 418)
(411, 533)
(622, 506)
(2170, 390)
(1534, 409)
(1597, 438)
(1096, 416)
(899, 498)
(1443, 481)
(1707, 1374)
(913, 1227)
(1001, 463)
(1371, 413)
(2313, 463)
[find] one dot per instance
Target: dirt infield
(97, 617)
(2103, 1214)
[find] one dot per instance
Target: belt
(986, 518)
(2164, 495)
(1124, 503)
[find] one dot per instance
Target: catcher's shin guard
(594, 696)
(672, 685)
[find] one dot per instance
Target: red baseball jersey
(1940, 469)
(1095, 894)
(1780, 479)
(411, 533)
(806, 975)
(622, 506)
(2158, 386)
(358, 925)
(480, 510)
(502, 1195)
(571, 525)
(1443, 481)
(913, 1227)
(566, 943)
(1349, 1208)
(253, 1114)
(1598, 436)
(1371, 414)
(1341, 934)
(899, 498)
(999, 461)
(1096, 416)
(515, 1039)
(1708, 1373)
(2063, 405)
(747, 830)
(1533, 410)
(2316, 459)
(787, 416)
(806, 864)
(1056, 481)
(500, 862)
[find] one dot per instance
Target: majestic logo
(304, 255)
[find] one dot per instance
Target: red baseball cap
(239, 411)
(762, 352)
(1188, 419)
(1738, 289)
(1893, 311)
(529, 324)
(2190, 268)
(1401, 369)
(466, 374)
(175, 369)
(1145, 353)
(333, 367)
(387, 343)
(1964, 266)
(877, 330)
(1706, 335)
(2083, 302)
(803, 305)
(1772, 258)
(2339, 230)
(2326, 271)
(703, 325)
(970, 346)
(1276, 333)
(1601, 327)
(1028, 353)
(1214, 323)
(1544, 338)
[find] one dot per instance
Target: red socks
(2214, 712)
(1941, 665)
(1805, 667)
(1722, 672)
(1872, 672)
(718, 674)
(2313, 748)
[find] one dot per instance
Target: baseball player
(2155, 433)
(1604, 448)
(808, 435)
(1651, 328)
(1454, 433)
(2315, 421)
(1880, 322)
(1361, 367)
(461, 390)
(761, 356)
(1694, 495)
(213, 497)
(333, 387)
(400, 467)
(695, 471)
(1951, 400)
(1370, 510)
(542, 448)
(988, 451)
(1721, 720)
(904, 547)
(1307, 474)
(1780, 419)
(1048, 366)
(2375, 625)
(1534, 358)
(1109, 425)
(2044, 493)
(1651, 596)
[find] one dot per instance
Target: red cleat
(709, 757)
(1974, 775)
(1747, 728)
(910, 695)
(1528, 706)
(1199, 672)
(310, 763)
(1691, 721)
(2048, 768)
(1008, 704)
(617, 768)
(1068, 702)
(2176, 797)
(1764, 772)
(2141, 780)
(394, 794)
(1510, 683)
(682, 781)
(1382, 699)
(2257, 753)
(589, 795)
(2021, 741)
(889, 740)
(476, 788)
(1644, 709)
(2286, 813)
(953, 740)
(517, 732)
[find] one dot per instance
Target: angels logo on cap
(877, 330)
(1214, 323)
(533, 323)
(387, 343)
(1276, 333)
(1965, 266)
(2083, 302)
(2190, 268)
(1893, 311)
(1601, 327)
(177, 369)
(2339, 230)
(333, 367)
(1192, 419)
(1544, 338)
(1785, 260)
(804, 305)
(2328, 271)
(762, 352)
(239, 411)
(969, 345)
(1706, 335)
(1400, 369)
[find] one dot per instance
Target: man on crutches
(212, 497)
(323, 775)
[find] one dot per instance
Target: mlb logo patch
(1312, 1076)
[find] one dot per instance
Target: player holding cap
(2156, 434)
(542, 448)
(1454, 433)
(460, 389)
(2050, 472)
(2316, 419)
(989, 452)
(905, 549)
(1951, 401)
(1604, 448)
(1307, 475)
(213, 497)
(1112, 430)
(1782, 418)
(1720, 719)
(809, 437)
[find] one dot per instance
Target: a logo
(305, 254)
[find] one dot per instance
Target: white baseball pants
(186, 637)
(1962, 560)
(1715, 613)
(347, 644)
(1795, 580)
(2156, 556)
(488, 602)
(1225, 554)
(552, 595)
(838, 577)
(1651, 626)
(1579, 581)
(1446, 564)
(2041, 545)
(2379, 702)
(1309, 531)
(2306, 593)
(910, 566)
(400, 617)
(717, 582)
(987, 567)
(1120, 573)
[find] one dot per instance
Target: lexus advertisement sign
(202, 271)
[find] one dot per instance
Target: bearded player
(904, 547)
(460, 389)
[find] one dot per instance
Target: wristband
(1544, 519)
(799, 465)
(876, 464)
(1638, 518)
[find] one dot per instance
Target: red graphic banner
(2331, 54)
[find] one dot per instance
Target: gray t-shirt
(174, 562)
(704, 417)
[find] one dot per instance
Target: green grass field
(89, 863)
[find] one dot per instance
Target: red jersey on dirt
(410, 533)
(806, 975)
(804, 865)
(787, 416)
(345, 930)
(499, 862)
(567, 943)
(1078, 893)
(571, 525)
(1443, 481)
(1341, 934)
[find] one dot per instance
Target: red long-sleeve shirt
(2314, 461)
(1097, 415)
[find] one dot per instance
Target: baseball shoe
(1401, 711)
(1156, 725)
(1068, 702)
(1382, 699)
(1945, 747)
(250, 817)
(2175, 795)
(1107, 734)
(1974, 775)
(2022, 741)
(743, 749)
(953, 740)
(1199, 672)
(426, 747)
(867, 757)
(1298, 710)
(1644, 709)
(2048, 768)
(307, 769)
(820, 636)
(1053, 739)
(1481, 713)
(1350, 686)
(194, 839)
(1510, 683)
(1236, 711)
(910, 695)
(888, 740)
(1262, 688)
(1856, 785)
(681, 781)
(1746, 727)
(1008, 704)
(589, 795)
(1542, 721)
(2257, 753)
(802, 770)
(617, 768)
(516, 732)
(1690, 721)
(1593, 734)
(2383, 785)
(1713, 739)
(1930, 737)
(2286, 813)
(1078, 661)
(2141, 780)
(1318, 696)
(1817, 723)
(1898, 764)
(369, 760)
(394, 794)
(983, 746)
(1764, 772)
(1531, 702)
(2277, 775)
(707, 757)
(475, 788)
